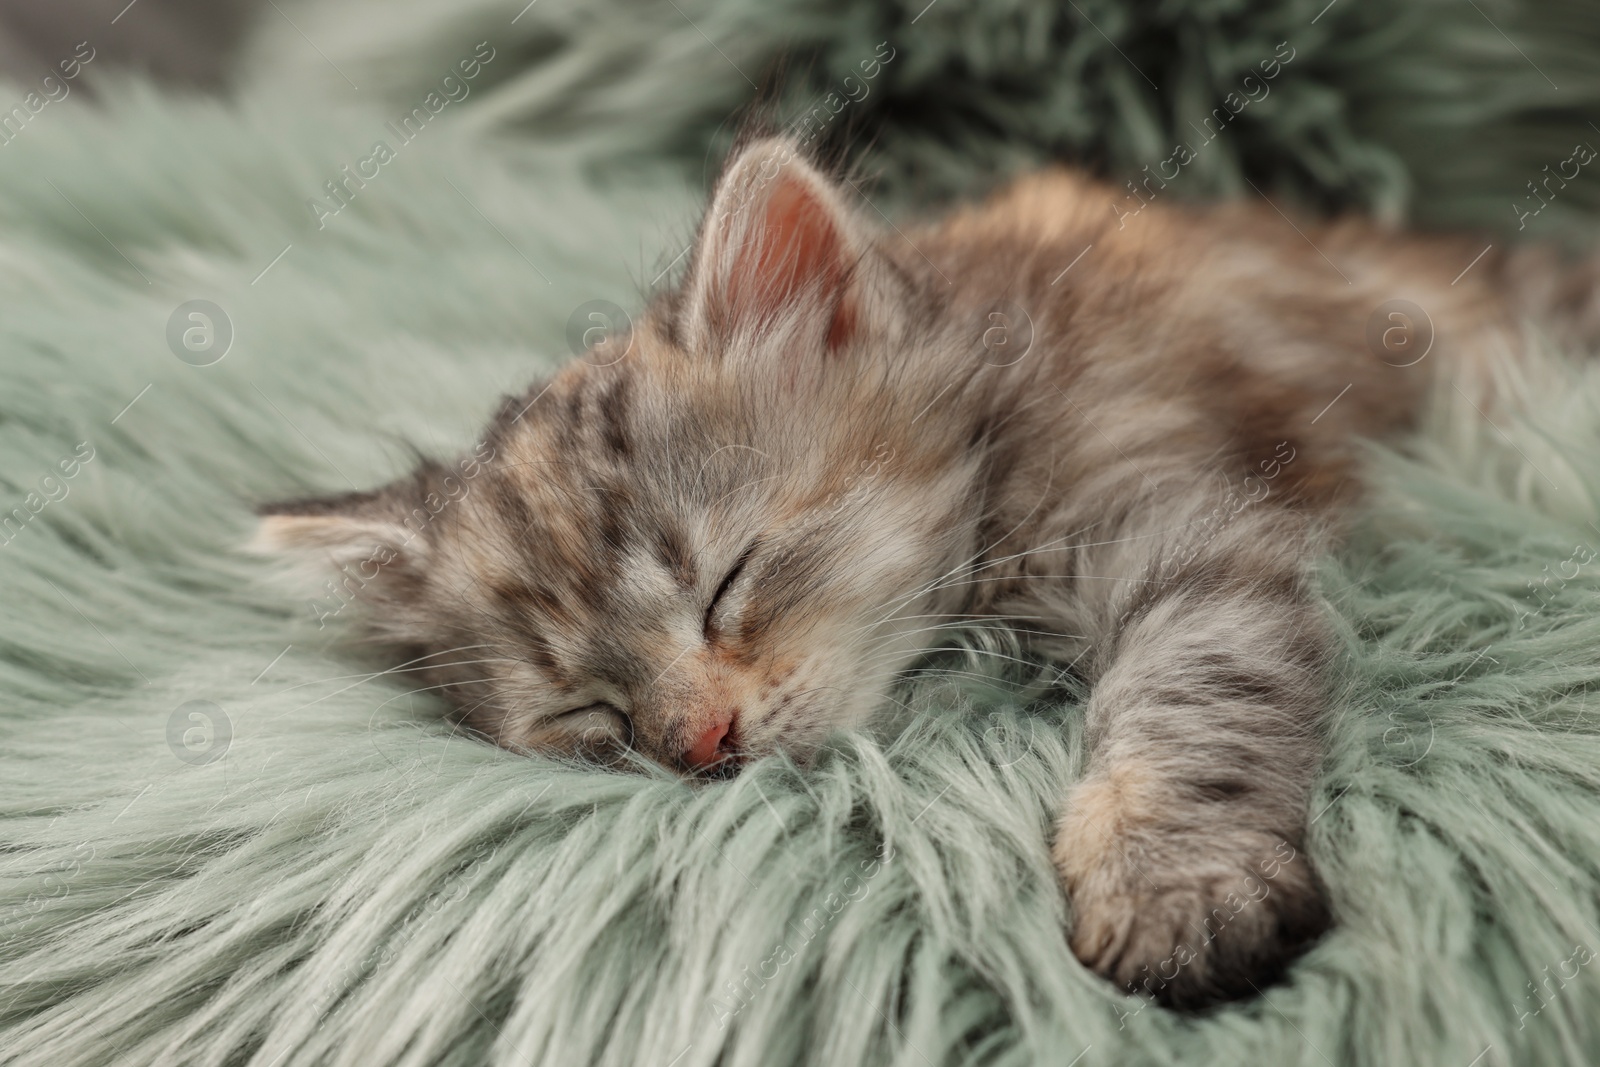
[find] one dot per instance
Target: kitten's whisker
(951, 619)
(943, 583)
(819, 688)
(955, 621)
(397, 696)
(930, 586)
(1019, 578)
(931, 670)
(721, 450)
(399, 668)
(976, 651)
(1041, 577)
(958, 625)
(1056, 546)
(958, 650)
(954, 626)
(995, 679)
(746, 485)
(452, 663)
(408, 692)
(962, 619)
(1047, 546)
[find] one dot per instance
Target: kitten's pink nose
(712, 746)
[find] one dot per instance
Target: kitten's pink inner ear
(798, 252)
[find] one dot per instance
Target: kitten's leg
(1182, 848)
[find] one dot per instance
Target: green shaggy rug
(226, 840)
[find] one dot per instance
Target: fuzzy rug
(225, 840)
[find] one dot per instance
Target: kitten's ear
(361, 530)
(777, 253)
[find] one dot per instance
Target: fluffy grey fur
(727, 532)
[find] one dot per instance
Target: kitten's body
(819, 453)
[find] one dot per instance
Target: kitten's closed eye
(597, 727)
(727, 584)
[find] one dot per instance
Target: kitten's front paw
(1176, 904)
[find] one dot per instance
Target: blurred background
(179, 42)
(167, 159)
(1440, 112)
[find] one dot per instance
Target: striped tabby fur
(819, 451)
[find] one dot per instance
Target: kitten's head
(727, 541)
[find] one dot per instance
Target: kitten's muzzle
(716, 747)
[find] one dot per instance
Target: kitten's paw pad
(1192, 918)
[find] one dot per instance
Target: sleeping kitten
(1128, 436)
